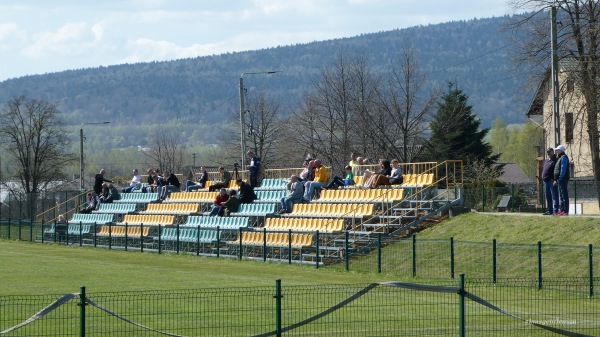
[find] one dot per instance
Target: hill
(204, 90)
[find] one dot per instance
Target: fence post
(379, 252)
(178, 238)
(219, 241)
(290, 247)
(461, 305)
(317, 253)
(347, 249)
(159, 239)
(483, 197)
(141, 237)
(575, 197)
(264, 244)
(414, 255)
(126, 235)
(494, 261)
(81, 234)
(241, 243)
(19, 228)
(82, 304)
(591, 266)
(539, 253)
(278, 308)
(452, 257)
(512, 197)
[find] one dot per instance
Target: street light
(81, 185)
(242, 133)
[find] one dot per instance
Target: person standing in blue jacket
(561, 179)
(551, 190)
(254, 168)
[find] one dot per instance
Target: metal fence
(524, 197)
(470, 307)
(43, 206)
(424, 258)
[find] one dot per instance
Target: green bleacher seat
(255, 210)
(138, 198)
(92, 218)
(270, 196)
(272, 184)
(124, 208)
(217, 221)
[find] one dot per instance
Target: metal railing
(463, 307)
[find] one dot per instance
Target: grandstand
(338, 222)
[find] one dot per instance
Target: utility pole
(555, 86)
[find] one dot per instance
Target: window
(569, 127)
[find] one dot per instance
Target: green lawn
(571, 230)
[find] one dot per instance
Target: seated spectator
(320, 180)
(221, 198)
(353, 162)
(134, 183)
(347, 181)
(307, 172)
(224, 182)
(370, 176)
(172, 184)
(202, 179)
(247, 195)
(150, 180)
(90, 205)
(231, 205)
(189, 180)
(295, 191)
(157, 182)
(393, 178)
(113, 194)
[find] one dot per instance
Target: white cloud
(70, 39)
(145, 49)
(11, 30)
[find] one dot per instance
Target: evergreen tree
(455, 133)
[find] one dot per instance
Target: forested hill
(472, 53)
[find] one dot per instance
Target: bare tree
(35, 140)
(167, 150)
(579, 39)
(266, 129)
(406, 108)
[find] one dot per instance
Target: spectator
(189, 180)
(157, 182)
(359, 170)
(99, 180)
(90, 205)
(134, 183)
(254, 168)
(308, 171)
(395, 176)
(224, 182)
(113, 194)
(231, 205)
(348, 180)
(202, 179)
(148, 188)
(561, 179)
(320, 180)
(247, 195)
(172, 185)
(353, 162)
(550, 190)
(221, 198)
(370, 176)
(295, 191)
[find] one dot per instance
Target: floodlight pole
(242, 113)
(81, 180)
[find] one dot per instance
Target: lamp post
(242, 122)
(81, 185)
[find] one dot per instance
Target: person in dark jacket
(172, 185)
(99, 180)
(550, 190)
(561, 179)
(246, 193)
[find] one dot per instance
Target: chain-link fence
(472, 307)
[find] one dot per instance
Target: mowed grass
(526, 229)
(31, 268)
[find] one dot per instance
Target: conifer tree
(455, 132)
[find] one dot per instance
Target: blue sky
(43, 36)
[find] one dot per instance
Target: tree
(579, 38)
(167, 150)
(455, 133)
(499, 136)
(265, 130)
(404, 108)
(35, 142)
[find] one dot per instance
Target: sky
(42, 36)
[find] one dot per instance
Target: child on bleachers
(337, 181)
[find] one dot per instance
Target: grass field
(30, 268)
